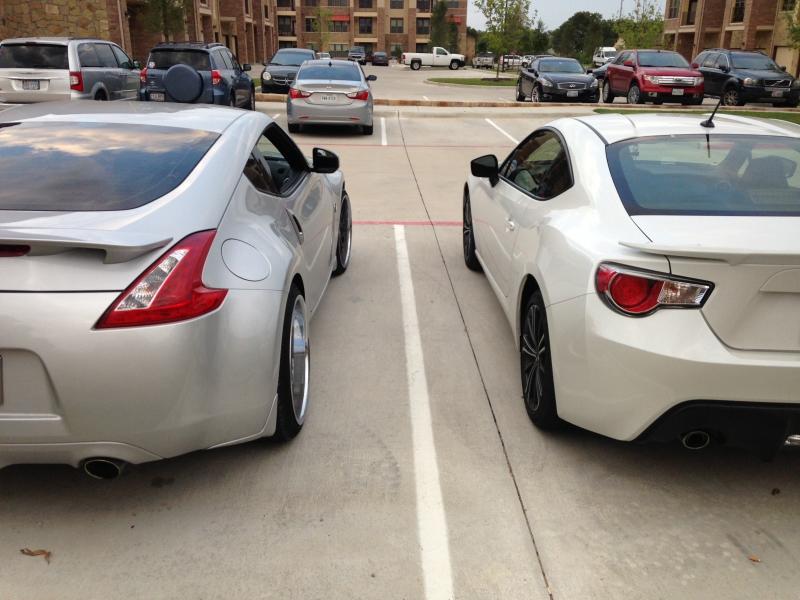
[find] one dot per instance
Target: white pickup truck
(438, 58)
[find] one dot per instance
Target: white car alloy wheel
(536, 95)
(299, 359)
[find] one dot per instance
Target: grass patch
(490, 82)
(792, 117)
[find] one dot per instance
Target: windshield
(33, 56)
(332, 72)
(357, 50)
(567, 65)
(757, 62)
(165, 59)
(609, 53)
(662, 59)
(289, 58)
(708, 175)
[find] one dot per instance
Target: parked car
(599, 73)
(330, 92)
(182, 260)
(590, 251)
(323, 55)
(280, 71)
(652, 76)
(380, 59)
(511, 61)
(527, 60)
(439, 57)
(39, 69)
(559, 79)
(739, 77)
(196, 72)
(603, 54)
(357, 54)
(483, 60)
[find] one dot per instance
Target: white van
(603, 55)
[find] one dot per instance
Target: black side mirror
(725, 69)
(782, 67)
(136, 65)
(372, 78)
(486, 167)
(324, 161)
(589, 71)
(246, 67)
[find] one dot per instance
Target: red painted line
(412, 223)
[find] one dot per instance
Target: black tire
(101, 96)
(287, 425)
(606, 93)
(294, 127)
(232, 102)
(520, 95)
(468, 237)
(367, 129)
(454, 65)
(635, 95)
(344, 244)
(252, 105)
(791, 104)
(732, 97)
(415, 65)
(536, 94)
(536, 368)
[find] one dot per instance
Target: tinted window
(33, 56)
(232, 59)
(106, 56)
(721, 175)
(291, 58)
(710, 60)
(722, 61)
(539, 166)
(164, 59)
(560, 66)
(123, 59)
(622, 58)
(662, 59)
(280, 169)
(337, 72)
(224, 59)
(87, 56)
(759, 62)
(256, 172)
(94, 166)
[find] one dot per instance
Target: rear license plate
(677, 92)
(30, 84)
(328, 98)
(157, 96)
(572, 94)
(777, 93)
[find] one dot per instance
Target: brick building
(690, 26)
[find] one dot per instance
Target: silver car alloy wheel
(535, 97)
(345, 234)
(299, 359)
(534, 352)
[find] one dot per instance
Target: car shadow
(339, 131)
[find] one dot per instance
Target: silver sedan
(330, 92)
(160, 267)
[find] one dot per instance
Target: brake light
(216, 77)
(76, 81)
(295, 93)
(362, 95)
(638, 293)
(170, 290)
(12, 250)
(143, 75)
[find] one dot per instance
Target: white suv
(603, 55)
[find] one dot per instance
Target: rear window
(334, 72)
(714, 175)
(33, 56)
(94, 166)
(164, 59)
(662, 59)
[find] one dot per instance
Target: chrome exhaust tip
(695, 440)
(103, 468)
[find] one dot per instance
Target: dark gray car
(281, 70)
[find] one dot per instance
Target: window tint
(291, 58)
(716, 175)
(539, 166)
(166, 58)
(256, 172)
(662, 59)
(106, 56)
(123, 59)
(753, 60)
(64, 166)
(281, 169)
(622, 58)
(559, 65)
(87, 56)
(333, 72)
(33, 56)
(232, 59)
(224, 60)
(710, 60)
(722, 61)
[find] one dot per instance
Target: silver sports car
(159, 267)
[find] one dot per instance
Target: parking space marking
(276, 116)
(425, 98)
(431, 519)
(383, 131)
(501, 130)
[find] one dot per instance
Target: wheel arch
(528, 286)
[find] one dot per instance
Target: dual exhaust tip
(103, 468)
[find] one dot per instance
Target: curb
(468, 85)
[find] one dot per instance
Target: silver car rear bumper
(298, 111)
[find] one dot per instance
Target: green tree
(579, 35)
(322, 26)
(536, 40)
(643, 27)
(164, 17)
(793, 25)
(506, 22)
(439, 29)
(452, 37)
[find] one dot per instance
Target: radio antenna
(709, 122)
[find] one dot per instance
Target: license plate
(572, 94)
(328, 98)
(677, 92)
(157, 96)
(777, 93)
(30, 84)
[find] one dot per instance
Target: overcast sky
(555, 12)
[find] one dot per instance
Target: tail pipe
(696, 440)
(103, 468)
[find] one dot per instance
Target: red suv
(653, 75)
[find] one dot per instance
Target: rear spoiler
(118, 246)
(732, 256)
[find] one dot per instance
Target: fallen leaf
(753, 558)
(46, 553)
(776, 491)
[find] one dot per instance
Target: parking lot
(418, 473)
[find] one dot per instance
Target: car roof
(188, 46)
(52, 40)
(319, 62)
(308, 50)
(186, 116)
(614, 128)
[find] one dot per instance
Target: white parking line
(425, 98)
(276, 116)
(383, 131)
(501, 130)
(431, 519)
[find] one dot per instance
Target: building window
(395, 25)
(691, 13)
(737, 15)
(286, 44)
(338, 2)
(311, 26)
(788, 5)
(424, 5)
(396, 50)
(452, 3)
(423, 26)
(247, 9)
(672, 9)
(364, 3)
(310, 2)
(339, 26)
(285, 3)
(422, 47)
(338, 50)
(286, 26)
(397, 4)
(365, 25)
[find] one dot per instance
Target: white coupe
(594, 230)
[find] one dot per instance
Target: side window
(123, 59)
(232, 59)
(710, 60)
(106, 56)
(222, 57)
(539, 166)
(622, 58)
(281, 168)
(255, 171)
(87, 56)
(722, 61)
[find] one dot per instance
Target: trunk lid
(328, 92)
(754, 264)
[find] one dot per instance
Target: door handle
(510, 225)
(298, 229)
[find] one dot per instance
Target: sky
(555, 12)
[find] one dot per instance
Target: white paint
(431, 519)
(275, 116)
(501, 130)
(383, 131)
(425, 98)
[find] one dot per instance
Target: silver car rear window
(33, 56)
(744, 175)
(330, 73)
(94, 166)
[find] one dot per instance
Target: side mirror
(324, 161)
(486, 167)
(628, 63)
(782, 67)
(372, 78)
(136, 65)
(246, 67)
(695, 65)
(725, 69)
(589, 71)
